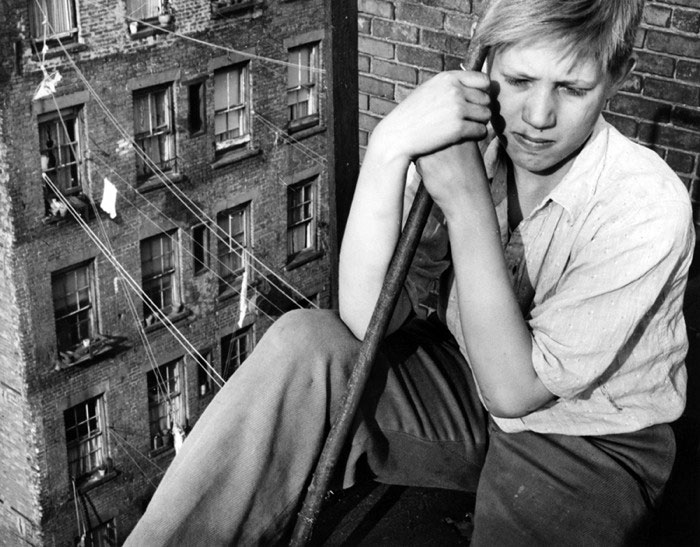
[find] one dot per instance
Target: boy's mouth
(532, 143)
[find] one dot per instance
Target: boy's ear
(621, 77)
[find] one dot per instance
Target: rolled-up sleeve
(610, 290)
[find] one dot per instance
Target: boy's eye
(574, 91)
(516, 82)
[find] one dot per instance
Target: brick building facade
(212, 124)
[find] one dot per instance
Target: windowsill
(222, 8)
(80, 203)
(154, 182)
(96, 479)
(305, 126)
(174, 318)
(55, 51)
(147, 30)
(301, 258)
(161, 452)
(233, 156)
(101, 347)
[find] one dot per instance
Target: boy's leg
(240, 475)
(538, 489)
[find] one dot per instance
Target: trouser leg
(238, 477)
(538, 489)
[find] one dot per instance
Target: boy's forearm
(497, 339)
(371, 233)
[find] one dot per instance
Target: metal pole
(376, 330)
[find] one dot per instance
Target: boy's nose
(539, 109)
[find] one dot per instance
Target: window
(158, 278)
(234, 350)
(231, 110)
(85, 437)
(301, 227)
(165, 403)
(73, 306)
(196, 111)
(302, 91)
(102, 535)
(60, 148)
(204, 372)
(233, 241)
(154, 131)
(60, 17)
(200, 247)
(143, 9)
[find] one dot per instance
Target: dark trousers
(240, 477)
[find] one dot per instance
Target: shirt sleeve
(432, 256)
(607, 294)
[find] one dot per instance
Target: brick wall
(20, 513)
(403, 42)
(109, 58)
(660, 104)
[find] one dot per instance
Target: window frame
(303, 79)
(63, 35)
(228, 276)
(172, 370)
(158, 275)
(242, 108)
(205, 383)
(163, 134)
(101, 535)
(227, 357)
(60, 123)
(99, 438)
(91, 320)
(308, 223)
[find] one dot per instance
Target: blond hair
(602, 29)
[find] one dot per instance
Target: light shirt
(599, 269)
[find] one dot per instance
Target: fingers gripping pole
(376, 330)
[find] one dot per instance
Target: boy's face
(546, 105)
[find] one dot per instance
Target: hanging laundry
(178, 437)
(243, 302)
(109, 199)
(47, 87)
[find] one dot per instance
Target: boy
(551, 389)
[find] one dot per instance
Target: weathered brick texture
(37, 505)
(659, 106)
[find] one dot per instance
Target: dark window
(102, 535)
(165, 403)
(301, 228)
(158, 272)
(234, 350)
(200, 247)
(60, 149)
(84, 437)
(231, 110)
(72, 303)
(204, 372)
(233, 239)
(302, 91)
(154, 132)
(196, 113)
(53, 20)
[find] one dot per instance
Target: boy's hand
(449, 108)
(452, 174)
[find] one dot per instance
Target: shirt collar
(577, 186)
